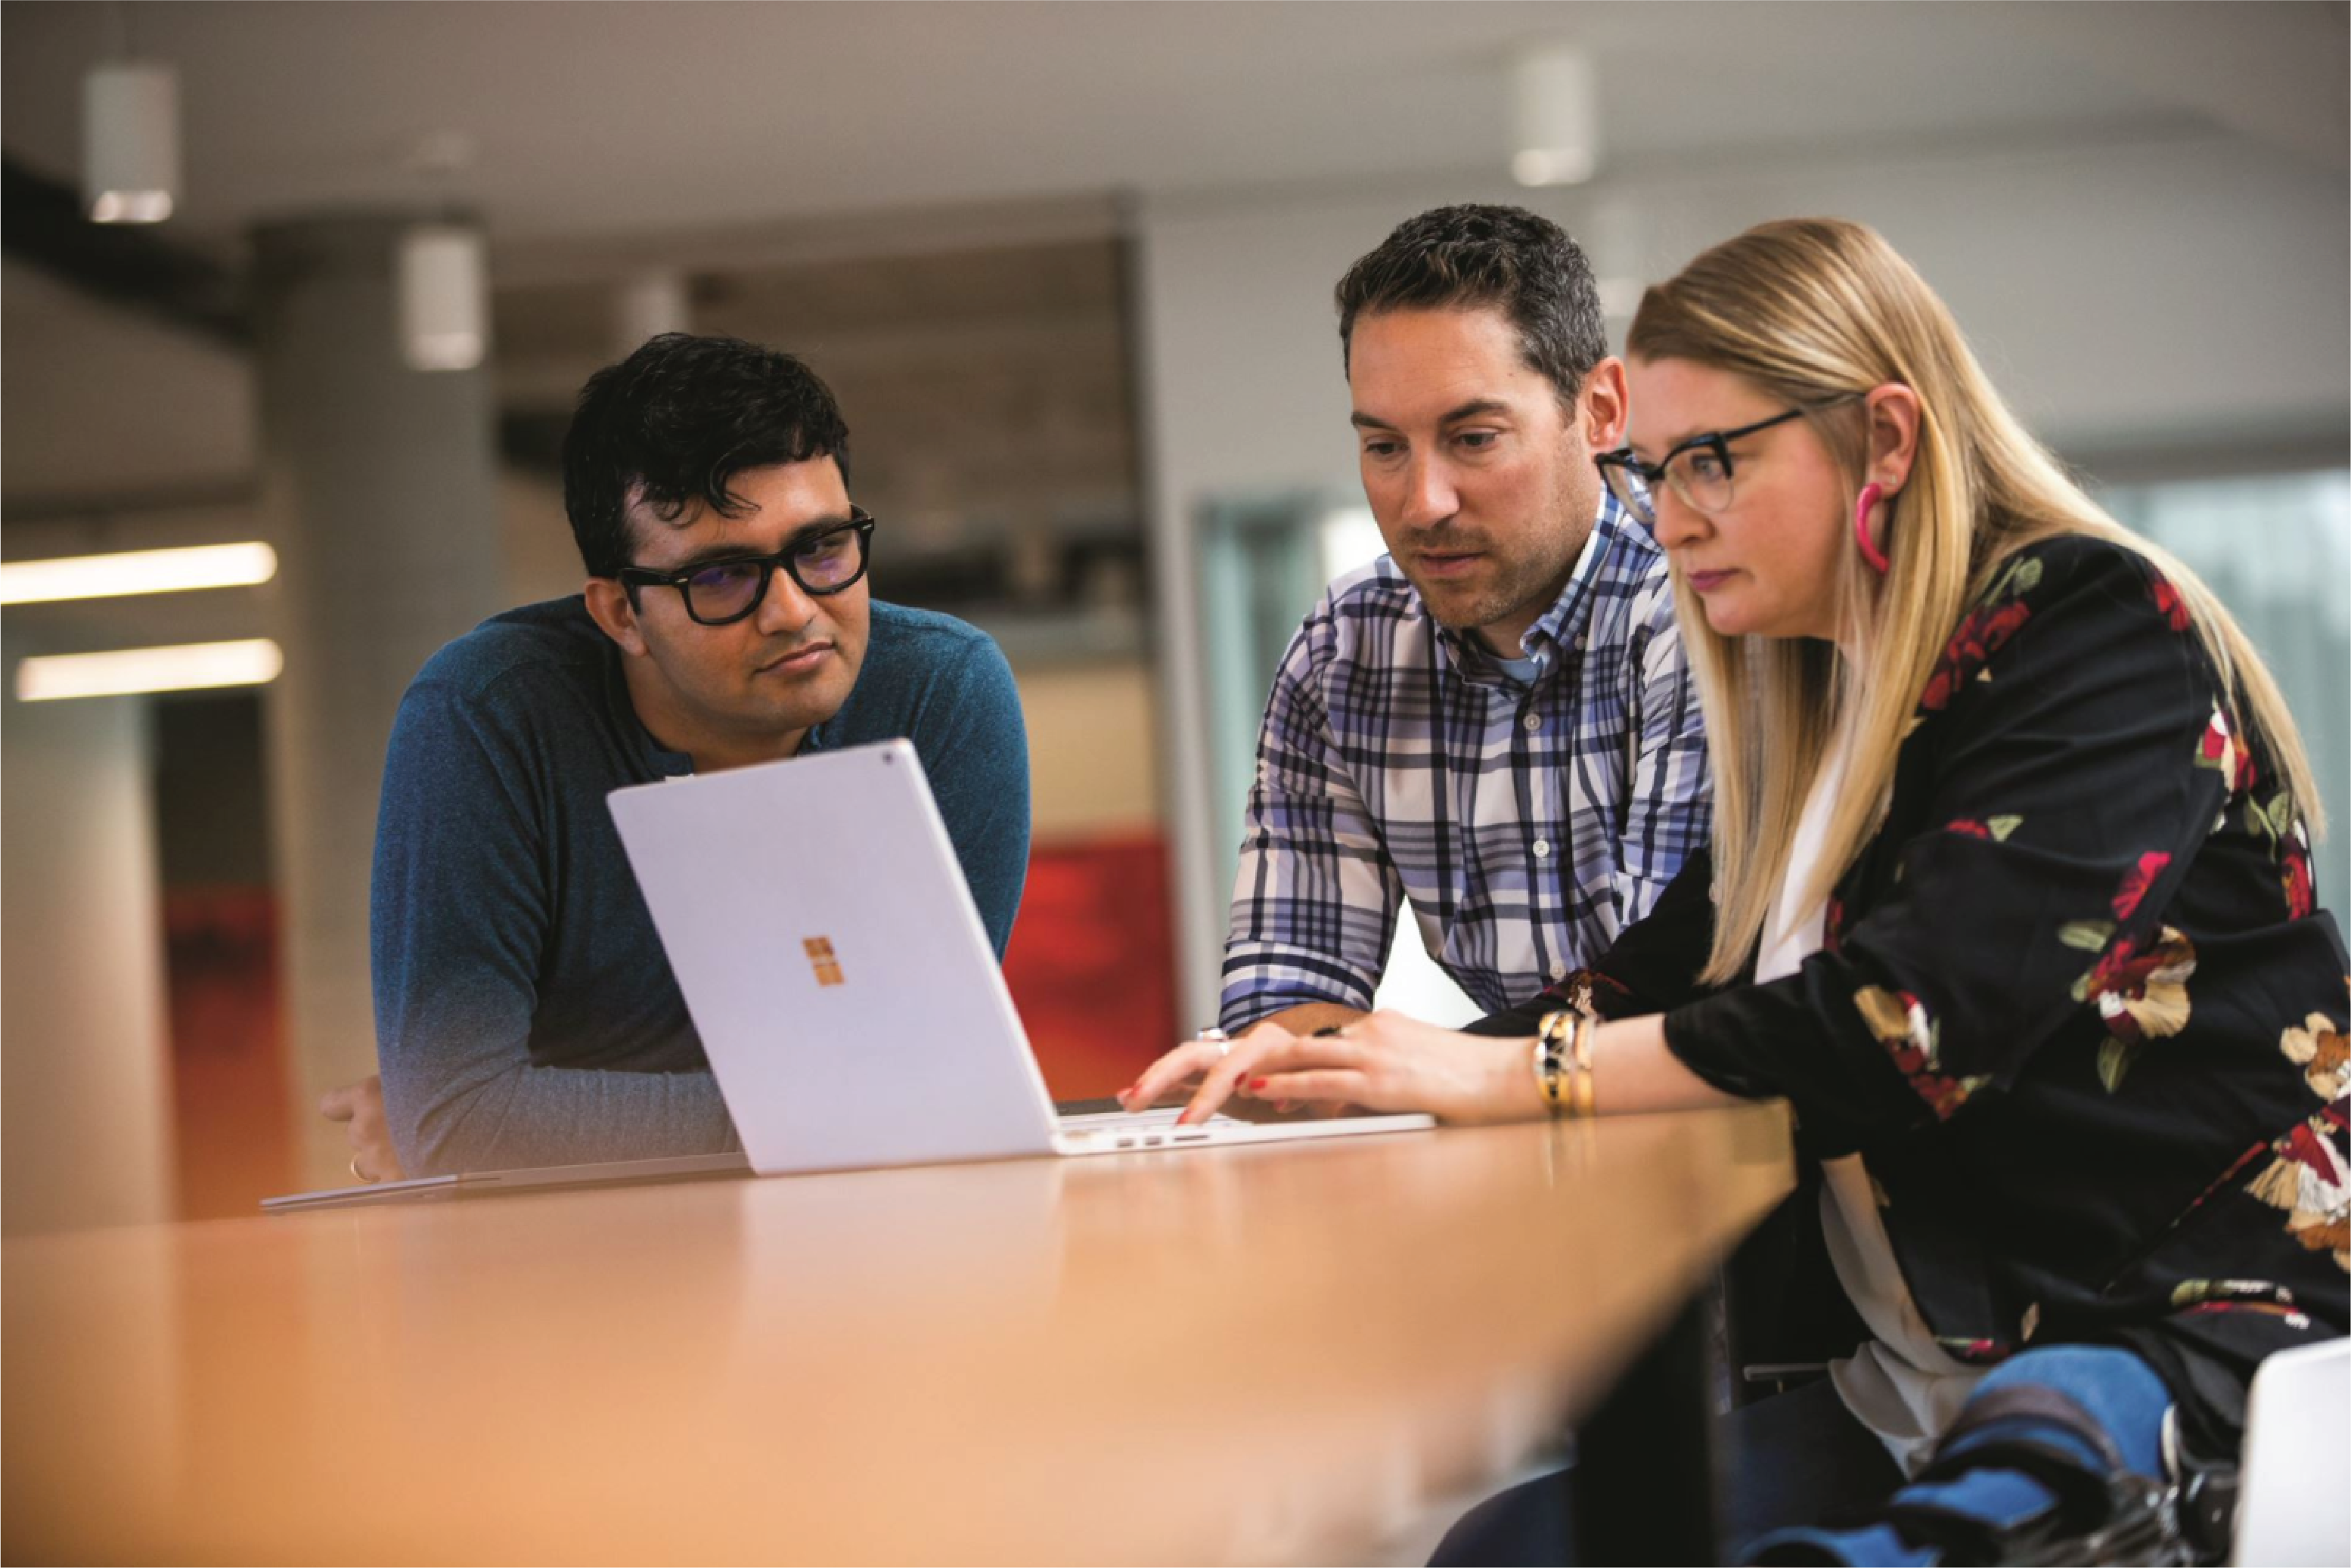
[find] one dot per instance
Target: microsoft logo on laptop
(821, 958)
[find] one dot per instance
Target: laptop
(843, 986)
(2292, 1408)
(844, 989)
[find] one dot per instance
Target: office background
(1069, 269)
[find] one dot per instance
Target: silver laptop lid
(834, 963)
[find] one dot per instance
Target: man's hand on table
(360, 1106)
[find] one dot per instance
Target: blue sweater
(525, 1013)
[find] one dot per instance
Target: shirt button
(1558, 970)
(1531, 722)
(1542, 848)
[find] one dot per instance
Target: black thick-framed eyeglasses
(1698, 469)
(720, 592)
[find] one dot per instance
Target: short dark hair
(673, 421)
(1486, 257)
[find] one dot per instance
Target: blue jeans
(1798, 1459)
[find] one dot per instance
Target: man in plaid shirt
(1494, 719)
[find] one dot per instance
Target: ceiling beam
(131, 267)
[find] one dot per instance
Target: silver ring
(355, 1169)
(1217, 1037)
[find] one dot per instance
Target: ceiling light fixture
(136, 571)
(1555, 113)
(186, 666)
(444, 308)
(443, 268)
(129, 142)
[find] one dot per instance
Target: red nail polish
(1256, 1084)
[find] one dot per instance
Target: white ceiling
(615, 133)
(603, 121)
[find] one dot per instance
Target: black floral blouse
(2076, 1009)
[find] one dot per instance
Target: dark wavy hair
(1475, 257)
(668, 428)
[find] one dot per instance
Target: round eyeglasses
(1698, 469)
(821, 561)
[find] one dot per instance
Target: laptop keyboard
(1157, 1120)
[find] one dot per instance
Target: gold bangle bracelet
(1581, 1088)
(1552, 1059)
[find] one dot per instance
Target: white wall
(108, 403)
(1094, 761)
(85, 1084)
(2186, 291)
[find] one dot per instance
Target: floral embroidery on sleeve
(1592, 994)
(2168, 599)
(2294, 874)
(1899, 1022)
(2142, 995)
(2191, 1292)
(2324, 1054)
(1974, 1351)
(2310, 1180)
(2289, 839)
(1994, 619)
(1996, 828)
(2224, 751)
(2134, 884)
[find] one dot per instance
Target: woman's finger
(1295, 1054)
(1226, 1076)
(1313, 1086)
(1188, 1061)
(1193, 1056)
(1266, 1053)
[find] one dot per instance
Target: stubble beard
(1525, 583)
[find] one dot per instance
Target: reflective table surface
(1271, 1353)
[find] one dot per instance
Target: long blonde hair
(1813, 310)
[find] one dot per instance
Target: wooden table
(1256, 1354)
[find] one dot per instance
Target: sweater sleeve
(2080, 751)
(974, 750)
(461, 908)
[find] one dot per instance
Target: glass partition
(2276, 547)
(1263, 563)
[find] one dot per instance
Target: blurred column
(87, 1134)
(379, 483)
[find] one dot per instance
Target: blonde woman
(2009, 896)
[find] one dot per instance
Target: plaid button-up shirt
(1526, 823)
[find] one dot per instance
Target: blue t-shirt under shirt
(525, 1012)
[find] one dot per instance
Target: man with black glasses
(525, 1013)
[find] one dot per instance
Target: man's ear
(1894, 418)
(608, 603)
(1603, 405)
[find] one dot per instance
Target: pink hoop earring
(1875, 556)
